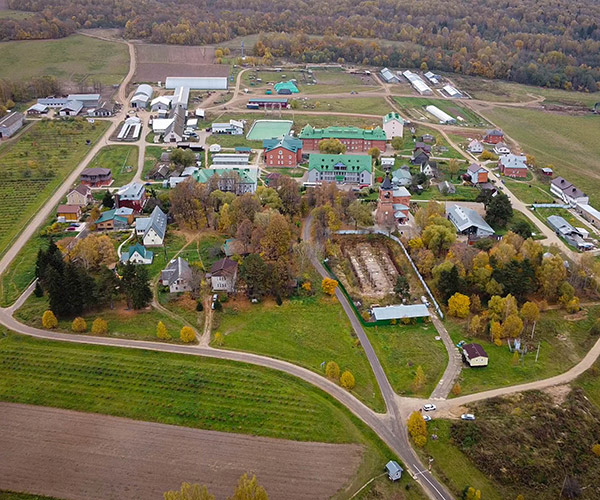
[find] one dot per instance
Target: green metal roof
(377, 134)
(288, 142)
(328, 163)
(203, 175)
(393, 116)
(286, 85)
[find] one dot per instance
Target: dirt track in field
(84, 456)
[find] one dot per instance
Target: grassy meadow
(122, 161)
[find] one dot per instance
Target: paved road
(444, 386)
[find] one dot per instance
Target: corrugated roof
(400, 311)
(328, 162)
(464, 218)
(376, 134)
(474, 350)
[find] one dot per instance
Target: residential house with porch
(476, 174)
(223, 275)
(96, 177)
(137, 254)
(116, 218)
(152, 230)
(177, 276)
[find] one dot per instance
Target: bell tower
(385, 202)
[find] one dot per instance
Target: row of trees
(528, 41)
(248, 488)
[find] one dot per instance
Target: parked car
(424, 300)
(467, 416)
(429, 407)
(427, 418)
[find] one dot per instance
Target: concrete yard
(85, 456)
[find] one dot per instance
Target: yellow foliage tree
(99, 327)
(49, 321)
(249, 489)
(456, 389)
(307, 286)
(459, 305)
(347, 380)
(332, 370)
(573, 305)
(420, 441)
(219, 340)
(329, 285)
(475, 325)
(79, 325)
(512, 327)
(419, 380)
(596, 449)
(187, 334)
(496, 331)
(189, 492)
(162, 332)
(417, 428)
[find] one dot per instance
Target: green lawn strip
(307, 332)
(122, 161)
(529, 192)
(232, 141)
(151, 157)
(11, 495)
(122, 323)
(402, 348)
(463, 193)
(183, 390)
(34, 166)
(290, 172)
(452, 466)
(568, 142)
(562, 344)
(76, 58)
(360, 105)
(170, 301)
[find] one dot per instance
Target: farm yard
(76, 59)
(414, 108)
(336, 80)
(212, 394)
(122, 161)
(36, 164)
(360, 105)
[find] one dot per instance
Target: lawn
(335, 81)
(463, 193)
(414, 107)
(232, 141)
(152, 156)
(360, 105)
(184, 390)
(122, 322)
(306, 331)
(290, 172)
(402, 348)
(122, 161)
(529, 192)
(77, 58)
(570, 143)
(35, 165)
(562, 344)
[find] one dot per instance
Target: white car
(467, 416)
(427, 418)
(429, 407)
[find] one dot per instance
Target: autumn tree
(360, 213)
(347, 380)
(162, 332)
(332, 370)
(249, 489)
(475, 325)
(49, 320)
(552, 274)
(328, 286)
(496, 332)
(398, 143)
(278, 238)
(458, 305)
(186, 205)
(219, 339)
(187, 334)
(417, 428)
(136, 286)
(189, 492)
(530, 313)
(438, 238)
(512, 326)
(419, 380)
(573, 305)
(94, 251)
(255, 275)
(456, 389)
(183, 157)
(374, 153)
(332, 146)
(453, 167)
(79, 325)
(244, 233)
(99, 327)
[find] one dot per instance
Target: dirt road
(85, 456)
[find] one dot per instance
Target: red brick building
(286, 152)
(96, 177)
(493, 136)
(132, 196)
(393, 203)
(355, 139)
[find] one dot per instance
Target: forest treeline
(542, 42)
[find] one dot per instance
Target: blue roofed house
(467, 221)
(401, 177)
(394, 471)
(572, 235)
(137, 254)
(152, 229)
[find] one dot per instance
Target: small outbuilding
(394, 471)
(383, 315)
(474, 355)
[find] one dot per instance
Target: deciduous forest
(542, 42)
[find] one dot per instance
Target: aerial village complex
(241, 266)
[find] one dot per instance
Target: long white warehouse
(417, 82)
(197, 82)
(442, 116)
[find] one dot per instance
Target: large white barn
(197, 82)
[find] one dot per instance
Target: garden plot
(373, 268)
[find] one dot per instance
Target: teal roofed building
(286, 88)
(341, 169)
(245, 181)
(137, 254)
(355, 139)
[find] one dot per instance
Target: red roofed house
(70, 213)
(493, 136)
(286, 152)
(96, 177)
(513, 165)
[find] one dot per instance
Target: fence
(397, 240)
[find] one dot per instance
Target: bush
(79, 325)
(332, 370)
(420, 441)
(39, 291)
(278, 300)
(219, 340)
(99, 327)
(329, 285)
(573, 305)
(199, 306)
(49, 321)
(456, 390)
(187, 334)
(596, 449)
(162, 332)
(347, 380)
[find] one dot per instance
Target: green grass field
(35, 165)
(563, 344)
(152, 155)
(570, 143)
(16, 15)
(414, 107)
(402, 348)
(306, 331)
(360, 105)
(122, 161)
(184, 390)
(529, 192)
(76, 58)
(463, 193)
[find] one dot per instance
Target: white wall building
(393, 125)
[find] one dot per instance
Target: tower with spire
(393, 203)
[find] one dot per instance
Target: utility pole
(538, 352)
(533, 329)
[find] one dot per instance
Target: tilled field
(75, 455)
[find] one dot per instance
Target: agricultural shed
(401, 311)
(475, 355)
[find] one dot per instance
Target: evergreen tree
(108, 200)
(141, 294)
(255, 274)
